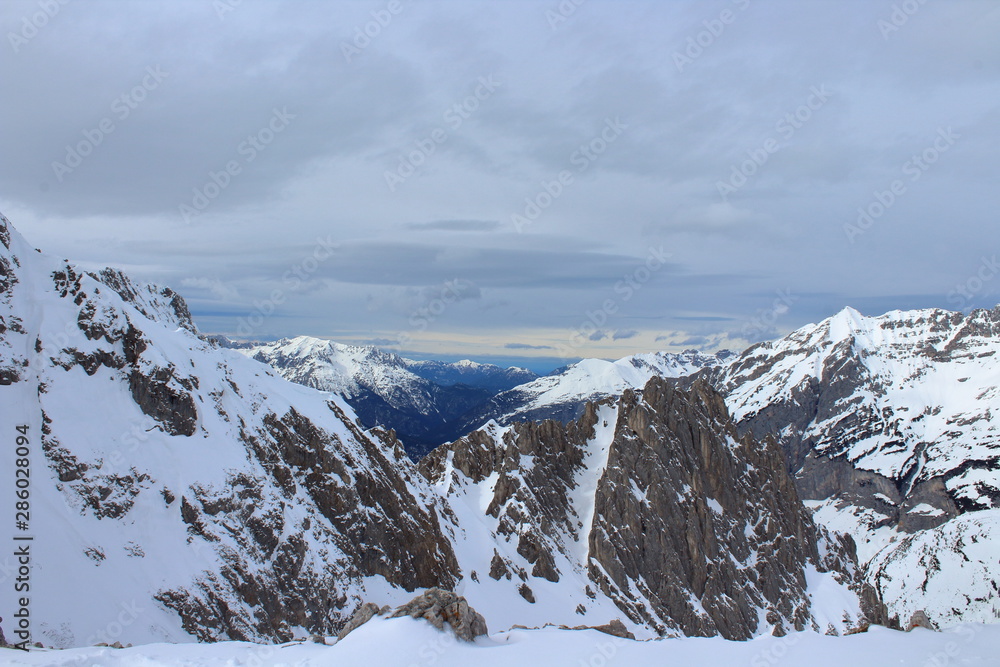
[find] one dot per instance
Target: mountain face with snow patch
(191, 485)
(563, 394)
(654, 504)
(421, 400)
(182, 491)
(887, 424)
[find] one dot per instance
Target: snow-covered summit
(563, 393)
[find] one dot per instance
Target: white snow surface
(405, 642)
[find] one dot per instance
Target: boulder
(436, 606)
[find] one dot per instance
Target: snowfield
(406, 642)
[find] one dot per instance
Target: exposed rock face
(437, 607)
(658, 505)
(361, 615)
(615, 628)
(219, 499)
(919, 620)
(708, 527)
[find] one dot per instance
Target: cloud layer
(513, 178)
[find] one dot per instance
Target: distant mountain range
(887, 424)
(425, 402)
(429, 403)
(845, 473)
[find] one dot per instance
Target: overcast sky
(513, 179)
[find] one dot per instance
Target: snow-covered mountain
(180, 490)
(652, 504)
(422, 401)
(888, 425)
(563, 394)
(471, 374)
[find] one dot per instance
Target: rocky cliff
(188, 482)
(658, 506)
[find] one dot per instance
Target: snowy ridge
(562, 394)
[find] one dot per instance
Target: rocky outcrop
(706, 524)
(437, 607)
(688, 527)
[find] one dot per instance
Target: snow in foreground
(405, 642)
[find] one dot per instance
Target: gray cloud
(455, 225)
(536, 140)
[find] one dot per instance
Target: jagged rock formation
(655, 505)
(436, 606)
(190, 482)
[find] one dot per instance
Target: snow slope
(405, 641)
(907, 395)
